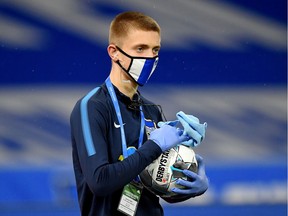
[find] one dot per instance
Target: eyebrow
(145, 46)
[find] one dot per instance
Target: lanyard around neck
(118, 112)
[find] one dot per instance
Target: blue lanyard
(118, 112)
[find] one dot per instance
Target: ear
(112, 52)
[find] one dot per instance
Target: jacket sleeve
(91, 155)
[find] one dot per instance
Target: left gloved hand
(197, 185)
(168, 137)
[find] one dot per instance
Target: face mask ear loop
(130, 57)
(118, 62)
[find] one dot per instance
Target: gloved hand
(168, 137)
(192, 128)
(198, 182)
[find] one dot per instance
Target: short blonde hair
(126, 21)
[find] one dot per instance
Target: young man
(111, 126)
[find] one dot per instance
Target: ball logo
(162, 167)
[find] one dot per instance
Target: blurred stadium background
(224, 61)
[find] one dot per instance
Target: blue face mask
(140, 68)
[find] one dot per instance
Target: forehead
(134, 37)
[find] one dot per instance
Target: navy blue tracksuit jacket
(96, 145)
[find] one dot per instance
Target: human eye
(156, 51)
(140, 49)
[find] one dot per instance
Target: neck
(124, 83)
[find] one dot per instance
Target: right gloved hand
(168, 137)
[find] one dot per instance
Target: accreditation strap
(119, 117)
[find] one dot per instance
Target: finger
(180, 132)
(183, 138)
(184, 183)
(160, 124)
(180, 191)
(201, 165)
(191, 174)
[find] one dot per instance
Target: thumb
(183, 137)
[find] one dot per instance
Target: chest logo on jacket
(118, 125)
(149, 126)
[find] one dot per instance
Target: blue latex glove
(168, 137)
(193, 128)
(199, 182)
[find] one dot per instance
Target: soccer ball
(161, 175)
